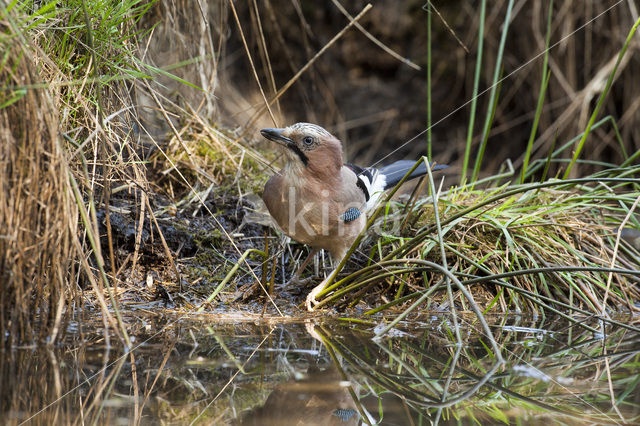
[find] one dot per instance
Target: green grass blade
(429, 81)
(493, 96)
(603, 95)
(474, 98)
(546, 75)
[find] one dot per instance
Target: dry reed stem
(306, 66)
(265, 53)
(377, 42)
(253, 68)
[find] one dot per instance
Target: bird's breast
(310, 212)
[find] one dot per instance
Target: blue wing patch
(350, 215)
(344, 414)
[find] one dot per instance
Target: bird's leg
(295, 279)
(311, 301)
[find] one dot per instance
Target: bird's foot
(296, 285)
(311, 301)
(299, 282)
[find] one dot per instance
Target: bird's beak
(276, 135)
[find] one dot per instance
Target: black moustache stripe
(299, 153)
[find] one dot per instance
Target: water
(229, 370)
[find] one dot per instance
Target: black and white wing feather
(374, 182)
(371, 182)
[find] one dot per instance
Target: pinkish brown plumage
(319, 201)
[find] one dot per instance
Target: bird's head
(308, 146)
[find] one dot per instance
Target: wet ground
(221, 369)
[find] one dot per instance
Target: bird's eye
(307, 140)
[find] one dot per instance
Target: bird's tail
(394, 172)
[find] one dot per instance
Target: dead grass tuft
(38, 218)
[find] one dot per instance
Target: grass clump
(66, 71)
(38, 244)
(557, 242)
(551, 246)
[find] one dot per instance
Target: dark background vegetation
(375, 103)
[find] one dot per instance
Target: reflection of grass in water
(552, 372)
(558, 375)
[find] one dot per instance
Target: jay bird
(318, 200)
